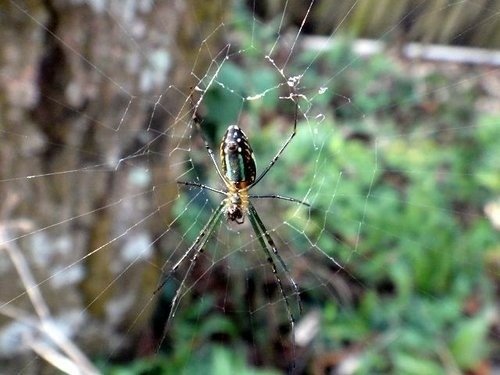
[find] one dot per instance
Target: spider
(238, 173)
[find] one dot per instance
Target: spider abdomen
(238, 162)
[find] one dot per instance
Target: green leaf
(410, 364)
(469, 343)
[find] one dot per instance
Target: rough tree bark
(78, 82)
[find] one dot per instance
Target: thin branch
(72, 360)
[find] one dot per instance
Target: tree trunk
(83, 198)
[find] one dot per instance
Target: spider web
(334, 249)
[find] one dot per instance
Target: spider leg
(254, 217)
(198, 247)
(265, 241)
(282, 197)
(201, 186)
(276, 157)
(198, 243)
(196, 119)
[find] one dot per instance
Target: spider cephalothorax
(236, 206)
